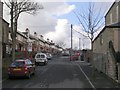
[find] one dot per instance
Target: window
(42, 56)
(101, 40)
(17, 64)
(29, 62)
(38, 56)
(111, 18)
(7, 49)
(117, 13)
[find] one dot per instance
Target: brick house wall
(5, 34)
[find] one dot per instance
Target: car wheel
(28, 75)
(44, 63)
(10, 77)
(33, 72)
(36, 63)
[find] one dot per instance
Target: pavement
(98, 79)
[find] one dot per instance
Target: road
(58, 73)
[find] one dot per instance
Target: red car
(75, 56)
(22, 67)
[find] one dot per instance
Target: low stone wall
(103, 63)
(5, 64)
(99, 61)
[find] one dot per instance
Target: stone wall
(1, 9)
(113, 14)
(104, 61)
(0, 38)
(1, 15)
(118, 64)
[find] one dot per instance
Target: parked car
(41, 58)
(49, 56)
(22, 67)
(65, 54)
(75, 56)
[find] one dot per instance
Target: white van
(41, 58)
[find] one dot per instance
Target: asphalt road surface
(58, 73)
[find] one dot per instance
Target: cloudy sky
(54, 21)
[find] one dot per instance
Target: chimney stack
(41, 37)
(51, 41)
(28, 33)
(48, 39)
(35, 34)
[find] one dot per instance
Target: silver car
(49, 56)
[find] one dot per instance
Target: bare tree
(16, 8)
(91, 21)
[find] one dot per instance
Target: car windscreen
(17, 64)
(40, 56)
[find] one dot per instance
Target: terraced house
(4, 31)
(106, 46)
(38, 44)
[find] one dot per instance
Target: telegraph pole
(71, 35)
(71, 41)
(79, 43)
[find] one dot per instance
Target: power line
(80, 33)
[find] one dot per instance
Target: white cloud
(46, 20)
(47, 24)
(57, 8)
(61, 33)
(64, 9)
